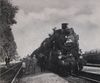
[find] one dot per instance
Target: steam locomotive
(60, 52)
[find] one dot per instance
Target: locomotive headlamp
(59, 57)
(66, 36)
(70, 55)
(81, 57)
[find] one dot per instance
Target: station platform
(43, 78)
(91, 69)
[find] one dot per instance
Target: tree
(7, 14)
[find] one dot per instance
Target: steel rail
(90, 79)
(13, 80)
(8, 70)
(87, 78)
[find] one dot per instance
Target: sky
(36, 19)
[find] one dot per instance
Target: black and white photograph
(49, 41)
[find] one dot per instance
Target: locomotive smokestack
(64, 25)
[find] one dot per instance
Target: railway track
(11, 74)
(7, 70)
(94, 78)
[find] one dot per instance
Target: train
(60, 52)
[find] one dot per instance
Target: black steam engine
(60, 52)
